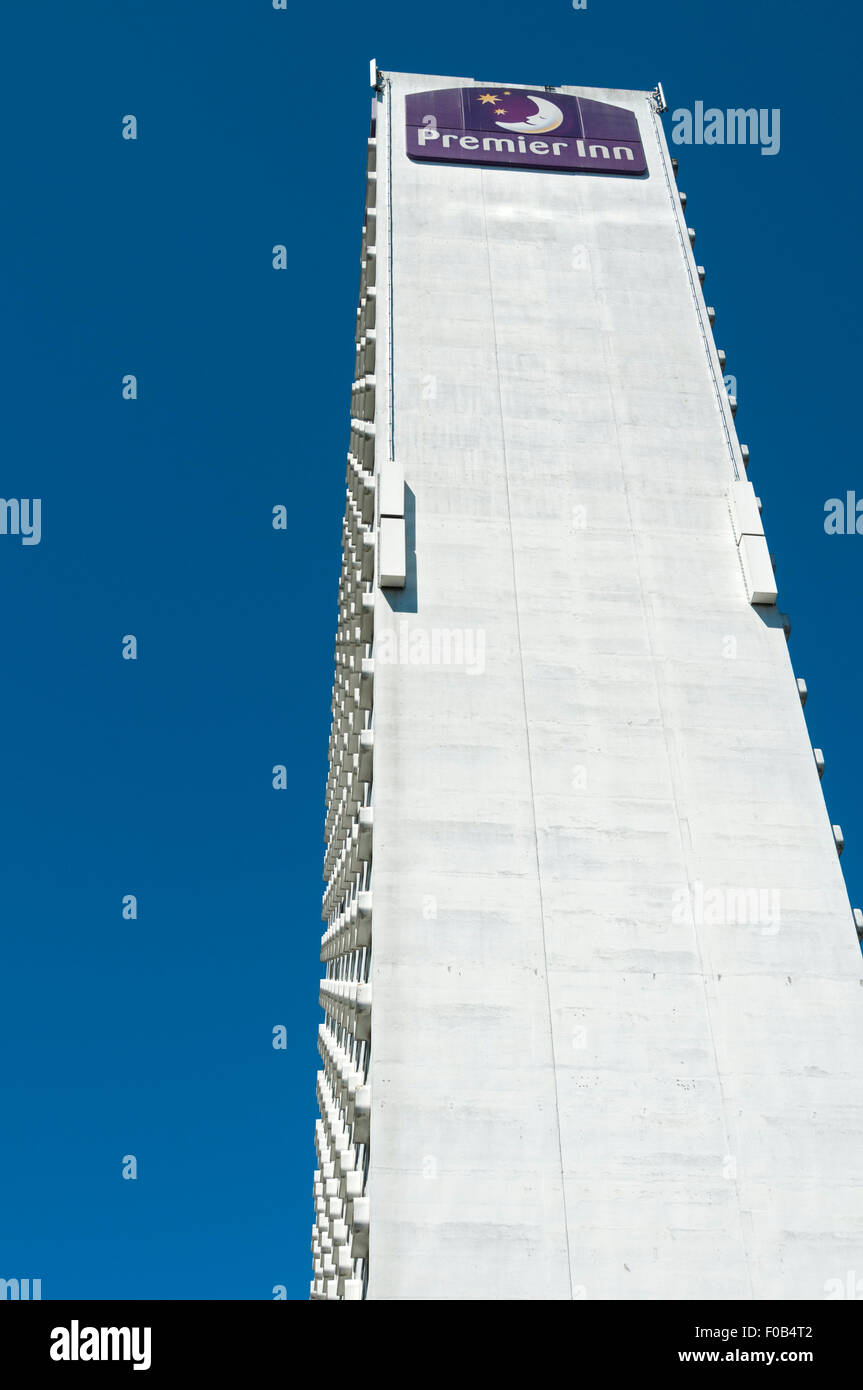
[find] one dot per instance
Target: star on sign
(488, 97)
(500, 111)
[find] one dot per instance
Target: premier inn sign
(523, 129)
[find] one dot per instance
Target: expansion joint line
(674, 771)
(527, 733)
(718, 391)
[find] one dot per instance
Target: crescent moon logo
(546, 117)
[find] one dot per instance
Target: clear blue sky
(154, 777)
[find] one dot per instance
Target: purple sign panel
(524, 130)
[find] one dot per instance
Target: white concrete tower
(593, 997)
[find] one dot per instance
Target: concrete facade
(605, 1038)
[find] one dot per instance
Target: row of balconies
(368, 269)
(350, 929)
(350, 1185)
(348, 727)
(334, 1265)
(355, 630)
(366, 354)
(344, 703)
(355, 619)
(368, 231)
(362, 541)
(361, 488)
(340, 1239)
(351, 613)
(348, 1085)
(346, 692)
(367, 248)
(345, 818)
(367, 313)
(348, 1003)
(340, 1158)
(362, 444)
(338, 789)
(356, 616)
(363, 398)
(349, 1114)
(353, 529)
(348, 824)
(356, 851)
(351, 772)
(350, 704)
(345, 825)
